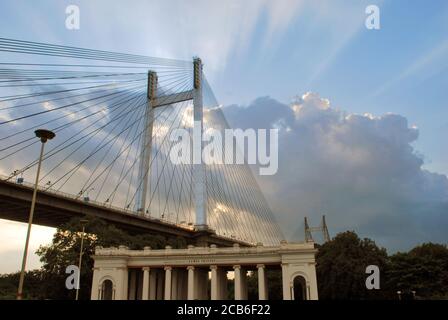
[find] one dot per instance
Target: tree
(423, 270)
(32, 285)
(341, 267)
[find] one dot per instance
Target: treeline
(421, 273)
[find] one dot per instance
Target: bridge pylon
(198, 187)
(145, 154)
(199, 191)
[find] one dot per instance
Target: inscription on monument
(201, 259)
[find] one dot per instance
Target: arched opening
(107, 290)
(299, 288)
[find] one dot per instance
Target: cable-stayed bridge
(113, 115)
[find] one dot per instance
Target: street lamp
(44, 136)
(83, 222)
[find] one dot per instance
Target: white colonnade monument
(201, 273)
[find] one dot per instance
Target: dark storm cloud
(359, 170)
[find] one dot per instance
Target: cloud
(361, 170)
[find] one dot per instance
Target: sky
(363, 112)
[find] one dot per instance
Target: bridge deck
(53, 209)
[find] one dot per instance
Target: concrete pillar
(191, 295)
(167, 283)
(145, 289)
(124, 285)
(262, 287)
(237, 282)
(145, 156)
(95, 293)
(200, 196)
(286, 282)
(122, 293)
(214, 283)
(306, 290)
(313, 294)
(240, 283)
(152, 284)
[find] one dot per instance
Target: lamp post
(83, 222)
(44, 136)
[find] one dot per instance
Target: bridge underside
(53, 210)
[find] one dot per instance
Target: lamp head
(44, 135)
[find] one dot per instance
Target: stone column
(306, 291)
(191, 288)
(238, 282)
(262, 288)
(95, 294)
(145, 289)
(214, 283)
(123, 284)
(167, 283)
(313, 295)
(286, 282)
